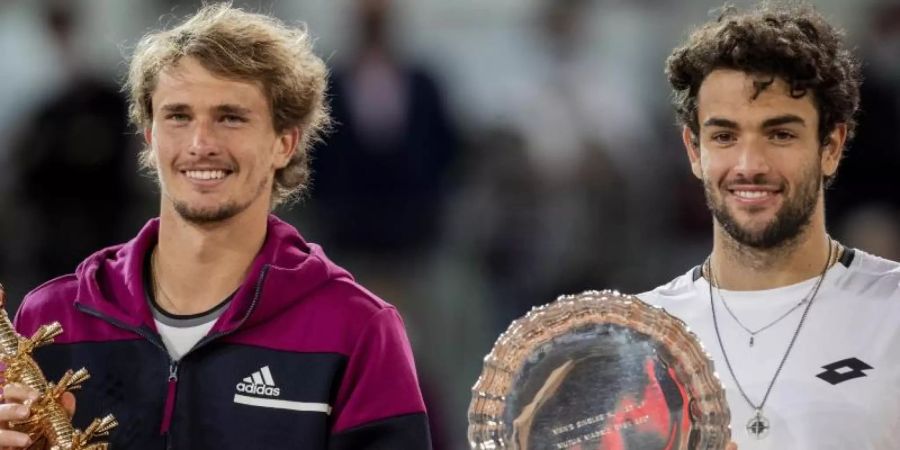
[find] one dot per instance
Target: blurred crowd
(466, 181)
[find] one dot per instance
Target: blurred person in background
(869, 172)
(73, 171)
(804, 328)
(573, 123)
(218, 326)
(382, 176)
(497, 220)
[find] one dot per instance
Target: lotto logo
(844, 370)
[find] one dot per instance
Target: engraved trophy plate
(599, 370)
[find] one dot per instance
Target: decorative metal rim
(525, 335)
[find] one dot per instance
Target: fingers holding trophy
(47, 422)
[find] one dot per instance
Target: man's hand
(16, 406)
(731, 446)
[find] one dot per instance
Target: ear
(285, 147)
(833, 149)
(148, 155)
(692, 146)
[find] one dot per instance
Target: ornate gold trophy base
(49, 425)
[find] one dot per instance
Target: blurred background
(489, 156)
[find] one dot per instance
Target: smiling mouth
(206, 174)
(753, 195)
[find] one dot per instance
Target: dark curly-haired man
(802, 329)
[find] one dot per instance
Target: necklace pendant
(758, 426)
(751, 341)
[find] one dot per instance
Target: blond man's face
(213, 144)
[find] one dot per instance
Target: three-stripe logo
(259, 383)
(259, 389)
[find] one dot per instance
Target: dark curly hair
(789, 41)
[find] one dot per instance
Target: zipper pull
(169, 410)
(173, 371)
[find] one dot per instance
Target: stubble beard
(788, 225)
(219, 213)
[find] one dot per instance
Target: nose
(752, 160)
(204, 141)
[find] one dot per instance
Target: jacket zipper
(169, 409)
(172, 389)
(173, 365)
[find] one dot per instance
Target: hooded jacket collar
(286, 270)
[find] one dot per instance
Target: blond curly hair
(241, 45)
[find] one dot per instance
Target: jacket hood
(286, 270)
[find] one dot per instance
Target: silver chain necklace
(758, 425)
(753, 333)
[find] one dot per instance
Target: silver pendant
(758, 426)
(751, 340)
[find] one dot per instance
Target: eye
(233, 119)
(723, 138)
(178, 117)
(782, 136)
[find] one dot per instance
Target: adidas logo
(259, 383)
(259, 389)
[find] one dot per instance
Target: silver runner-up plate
(598, 370)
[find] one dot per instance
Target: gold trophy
(49, 425)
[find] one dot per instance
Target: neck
(740, 267)
(197, 266)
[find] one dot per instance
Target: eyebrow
(783, 120)
(175, 107)
(719, 122)
(768, 123)
(221, 109)
(232, 109)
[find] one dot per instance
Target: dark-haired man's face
(759, 158)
